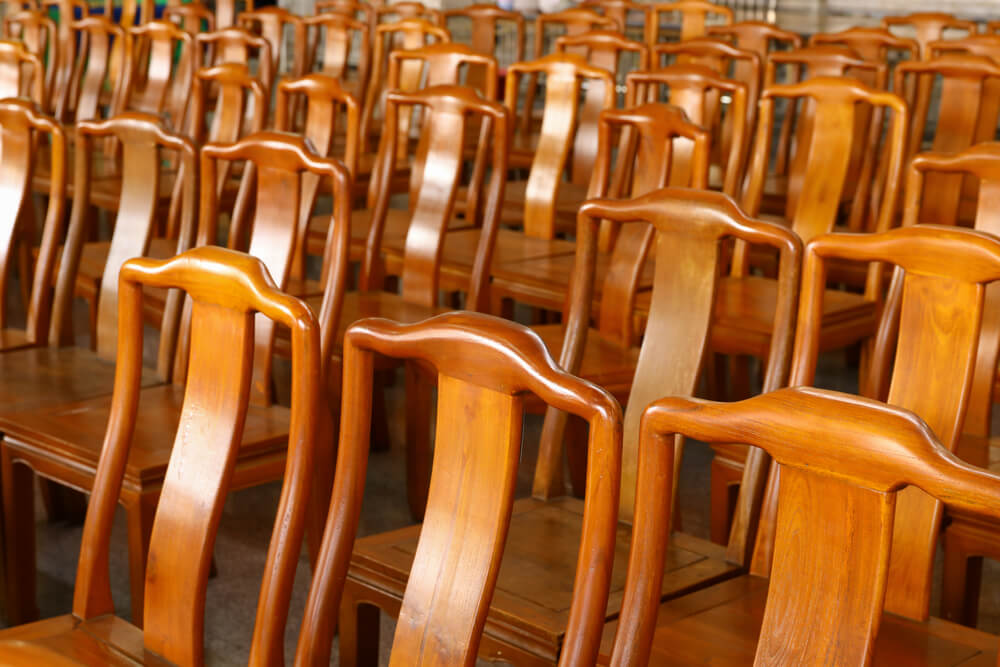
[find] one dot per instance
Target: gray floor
(247, 522)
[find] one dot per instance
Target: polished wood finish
(694, 18)
(486, 368)
(606, 48)
(98, 43)
(158, 71)
(874, 44)
(844, 462)
(331, 40)
(37, 32)
(408, 9)
(226, 289)
(485, 21)
(62, 440)
(14, 58)
(240, 46)
(193, 17)
(758, 36)
(574, 21)
(930, 27)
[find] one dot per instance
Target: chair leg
(418, 440)
(140, 513)
(359, 631)
(19, 535)
(62, 503)
(380, 441)
(725, 485)
(961, 577)
(576, 454)
(324, 460)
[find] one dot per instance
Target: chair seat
(74, 432)
(744, 316)
(532, 599)
(43, 376)
(569, 198)
(65, 640)
(604, 362)
(723, 622)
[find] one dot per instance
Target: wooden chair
(761, 37)
(486, 368)
(226, 288)
(529, 612)
(945, 271)
(21, 127)
(99, 42)
(821, 175)
(400, 11)
(633, 17)
(407, 34)
(354, 9)
(831, 552)
(131, 12)
(331, 39)
(66, 13)
(420, 233)
(193, 17)
(967, 112)
(874, 44)
(158, 71)
(575, 21)
(966, 537)
(979, 45)
(14, 57)
(929, 27)
(694, 18)
(488, 24)
(240, 46)
(325, 101)
(272, 23)
(608, 49)
(37, 32)
(61, 441)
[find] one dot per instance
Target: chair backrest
(621, 11)
(929, 27)
(819, 169)
(406, 34)
(978, 45)
(982, 163)
(844, 464)
(874, 44)
(609, 49)
(694, 18)
(489, 27)
(143, 141)
(158, 71)
(824, 60)
(21, 125)
(355, 9)
(240, 46)
(761, 37)
(325, 102)
(398, 11)
(968, 108)
(564, 74)
(441, 64)
(129, 12)
(193, 17)
(66, 13)
(275, 167)
(436, 175)
(943, 278)
(14, 58)
(271, 23)
(240, 107)
(692, 225)
(574, 21)
(484, 368)
(340, 36)
(226, 289)
(99, 43)
(37, 32)
(698, 91)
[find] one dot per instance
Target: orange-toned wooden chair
(237, 45)
(633, 17)
(874, 44)
(529, 612)
(945, 271)
(354, 9)
(574, 21)
(193, 17)
(15, 59)
(98, 42)
(695, 17)
(420, 232)
(272, 23)
(62, 441)
(761, 37)
(408, 9)
(325, 101)
(967, 111)
(834, 536)
(609, 49)
(979, 45)
(967, 538)
(818, 177)
(37, 32)
(158, 71)
(930, 27)
(65, 13)
(486, 370)
(488, 25)
(331, 39)
(227, 289)
(406, 34)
